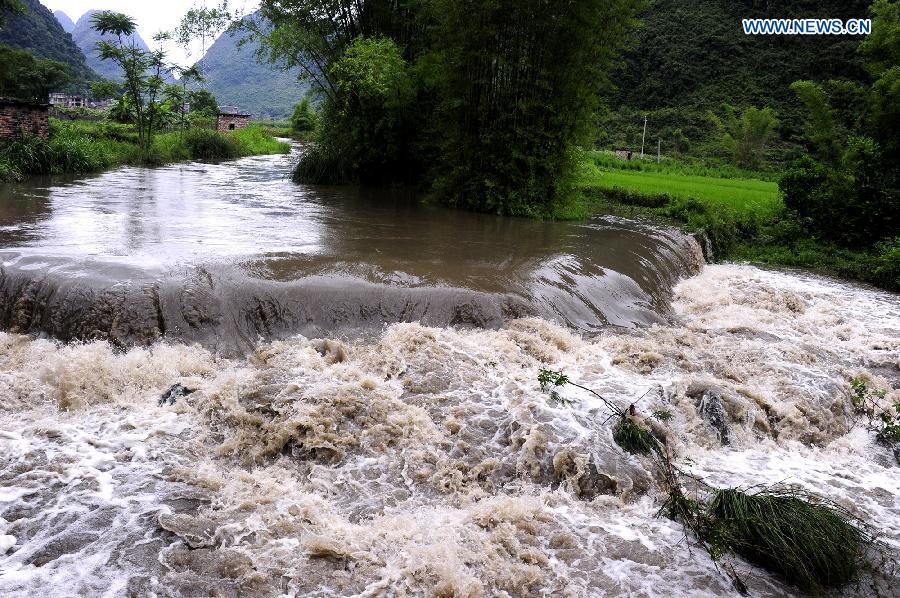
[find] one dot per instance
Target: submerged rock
(709, 405)
(175, 392)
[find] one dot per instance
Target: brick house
(231, 118)
(19, 118)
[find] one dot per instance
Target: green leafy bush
(304, 119)
(849, 205)
(206, 144)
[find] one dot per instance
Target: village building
(64, 100)
(231, 118)
(102, 104)
(19, 118)
(625, 154)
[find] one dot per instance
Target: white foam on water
(427, 461)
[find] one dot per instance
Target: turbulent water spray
(427, 460)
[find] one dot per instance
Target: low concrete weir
(226, 254)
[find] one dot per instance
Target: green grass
(741, 195)
(683, 165)
(632, 437)
(812, 543)
(744, 218)
(254, 141)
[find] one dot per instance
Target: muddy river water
(352, 406)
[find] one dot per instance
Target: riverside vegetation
(77, 147)
(836, 207)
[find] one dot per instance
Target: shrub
(320, 165)
(75, 154)
(725, 228)
(27, 156)
(849, 205)
(304, 119)
(206, 144)
(885, 268)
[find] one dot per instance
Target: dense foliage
(142, 71)
(37, 30)
(304, 119)
(745, 136)
(484, 103)
(26, 77)
(847, 189)
(86, 38)
(519, 84)
(691, 56)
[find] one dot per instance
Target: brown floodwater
(420, 457)
(226, 253)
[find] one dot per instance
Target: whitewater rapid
(427, 461)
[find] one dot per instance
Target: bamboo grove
(481, 103)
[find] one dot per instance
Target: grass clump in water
(633, 437)
(812, 543)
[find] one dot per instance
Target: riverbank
(80, 147)
(743, 217)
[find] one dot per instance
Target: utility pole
(643, 137)
(658, 149)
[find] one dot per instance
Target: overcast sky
(151, 16)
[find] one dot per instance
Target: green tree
(821, 128)
(202, 23)
(26, 77)
(881, 48)
(128, 56)
(153, 86)
(369, 116)
(303, 121)
(745, 136)
(203, 102)
(490, 99)
(847, 189)
(179, 96)
(103, 89)
(518, 82)
(143, 72)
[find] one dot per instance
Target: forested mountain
(64, 20)
(235, 77)
(86, 38)
(690, 56)
(38, 30)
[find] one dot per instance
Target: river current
(351, 400)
